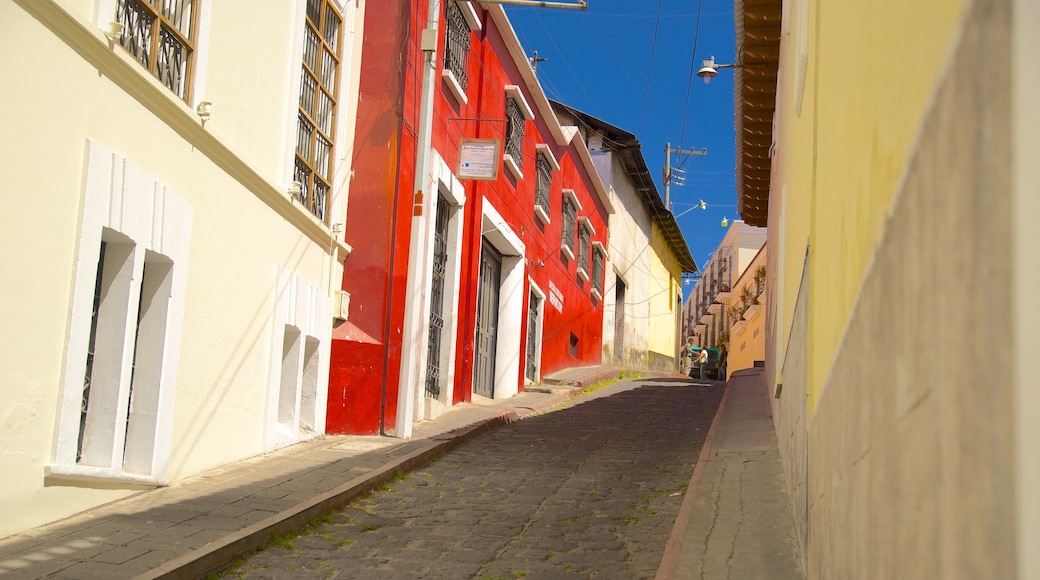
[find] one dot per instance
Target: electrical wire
(689, 83)
(650, 72)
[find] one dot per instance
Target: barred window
(161, 35)
(597, 272)
(456, 43)
(515, 132)
(584, 248)
(315, 128)
(569, 219)
(544, 173)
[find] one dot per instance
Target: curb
(220, 553)
(673, 548)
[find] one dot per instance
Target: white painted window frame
(105, 14)
(511, 305)
(298, 384)
(453, 191)
(125, 206)
(538, 332)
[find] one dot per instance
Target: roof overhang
(757, 24)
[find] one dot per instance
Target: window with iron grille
(597, 272)
(584, 248)
(440, 265)
(161, 35)
(456, 43)
(569, 220)
(515, 132)
(544, 172)
(315, 128)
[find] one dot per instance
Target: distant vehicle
(711, 368)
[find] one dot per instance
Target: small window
(597, 274)
(569, 221)
(543, 171)
(584, 251)
(161, 36)
(515, 132)
(315, 129)
(456, 44)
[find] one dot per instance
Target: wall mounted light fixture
(204, 109)
(709, 69)
(295, 190)
(114, 33)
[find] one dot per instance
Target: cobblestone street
(590, 489)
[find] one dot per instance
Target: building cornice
(94, 47)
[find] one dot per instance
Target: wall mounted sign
(478, 159)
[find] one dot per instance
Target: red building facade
(478, 224)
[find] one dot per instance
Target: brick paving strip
(590, 490)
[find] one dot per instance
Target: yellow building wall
(898, 457)
(747, 341)
(664, 293)
(868, 78)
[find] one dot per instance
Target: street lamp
(709, 69)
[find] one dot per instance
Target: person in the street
(723, 353)
(688, 354)
(701, 362)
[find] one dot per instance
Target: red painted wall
(366, 351)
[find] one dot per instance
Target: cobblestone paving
(589, 490)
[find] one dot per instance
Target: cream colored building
(647, 254)
(167, 290)
(892, 166)
(721, 296)
(745, 337)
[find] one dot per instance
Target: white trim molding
(298, 378)
(139, 222)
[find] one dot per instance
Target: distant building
(725, 295)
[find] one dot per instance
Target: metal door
(440, 263)
(534, 302)
(619, 319)
(487, 320)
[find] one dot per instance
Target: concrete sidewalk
(197, 525)
(736, 520)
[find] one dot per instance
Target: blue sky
(621, 62)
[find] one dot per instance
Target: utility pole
(670, 173)
(534, 60)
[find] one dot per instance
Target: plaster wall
(629, 240)
(665, 295)
(911, 447)
(747, 343)
(866, 118)
(238, 242)
(1025, 203)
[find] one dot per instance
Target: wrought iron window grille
(456, 43)
(544, 174)
(515, 132)
(315, 129)
(161, 36)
